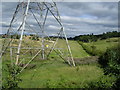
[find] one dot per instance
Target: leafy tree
(17, 36)
(110, 62)
(34, 37)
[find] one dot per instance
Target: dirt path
(86, 60)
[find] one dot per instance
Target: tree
(17, 36)
(110, 62)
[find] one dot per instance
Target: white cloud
(77, 17)
(53, 27)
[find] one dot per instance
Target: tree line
(93, 38)
(83, 38)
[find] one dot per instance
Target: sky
(78, 18)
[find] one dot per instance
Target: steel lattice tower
(38, 13)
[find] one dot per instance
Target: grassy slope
(55, 73)
(77, 50)
(52, 72)
(102, 45)
(58, 74)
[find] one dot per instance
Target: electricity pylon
(21, 25)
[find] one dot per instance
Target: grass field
(54, 73)
(100, 46)
(77, 50)
(104, 44)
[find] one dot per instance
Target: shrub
(110, 62)
(17, 36)
(102, 82)
(12, 79)
(35, 38)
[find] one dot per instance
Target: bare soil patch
(86, 60)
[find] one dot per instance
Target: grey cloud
(77, 17)
(96, 9)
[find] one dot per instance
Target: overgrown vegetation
(12, 79)
(98, 48)
(54, 73)
(110, 62)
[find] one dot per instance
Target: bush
(12, 79)
(17, 36)
(110, 62)
(34, 37)
(102, 82)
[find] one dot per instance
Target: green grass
(103, 44)
(55, 73)
(100, 45)
(77, 50)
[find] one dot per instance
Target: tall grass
(55, 73)
(99, 47)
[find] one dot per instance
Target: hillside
(55, 73)
(100, 46)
